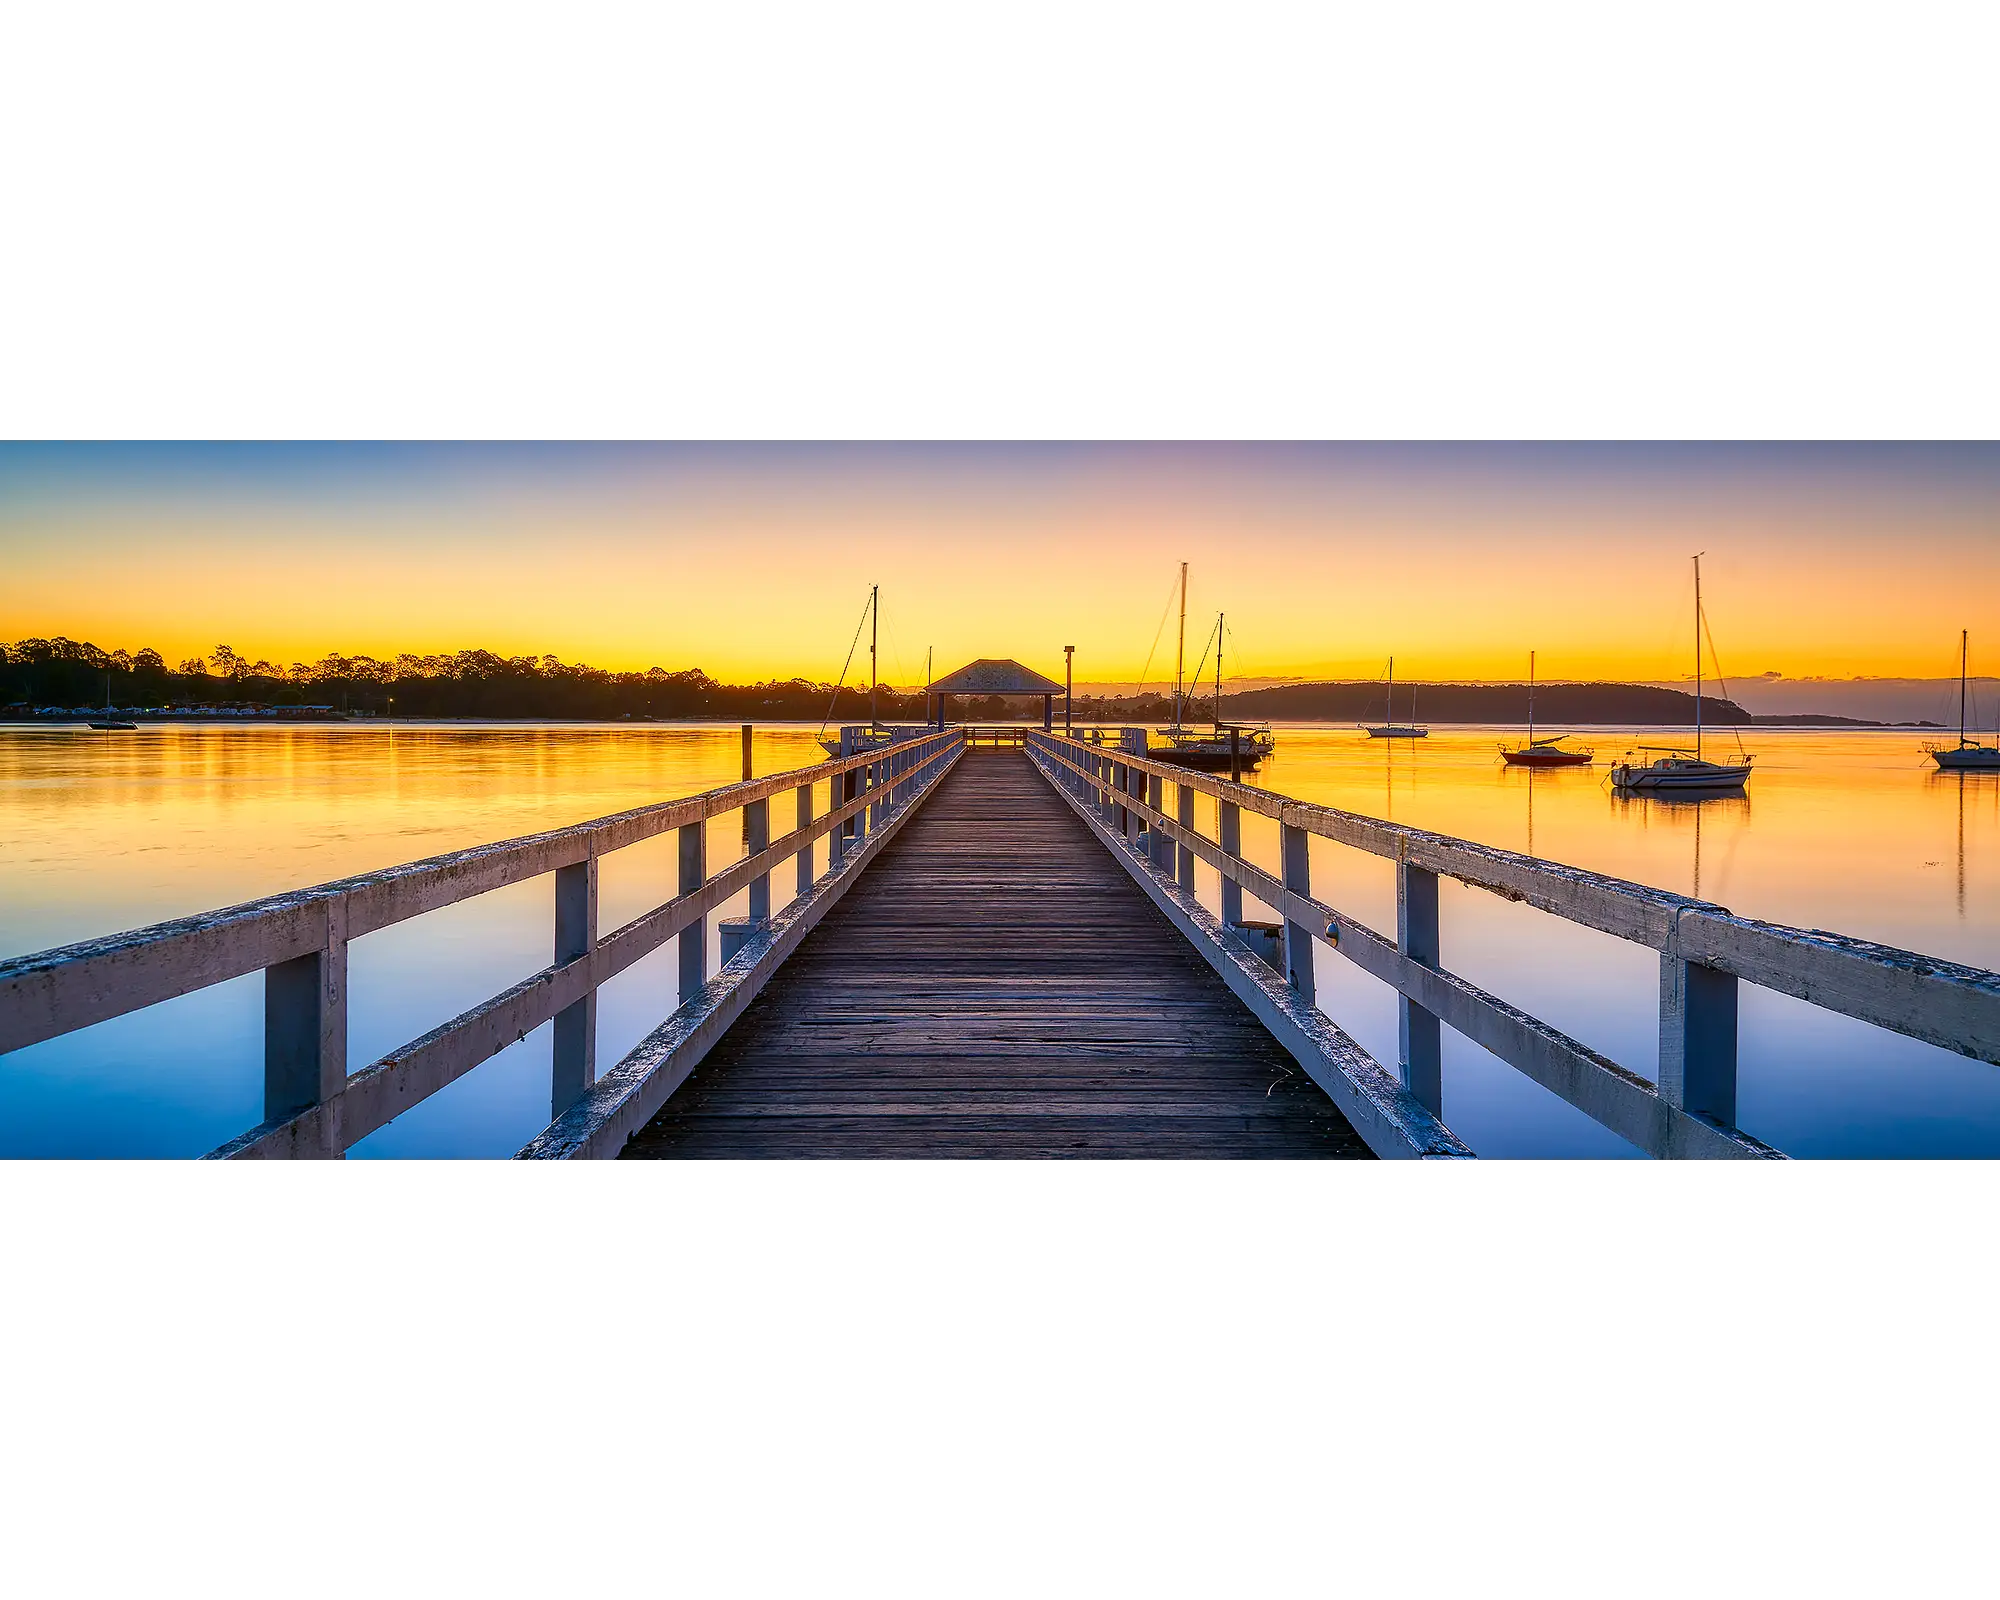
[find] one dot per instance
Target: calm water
(1842, 830)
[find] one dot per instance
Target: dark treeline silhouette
(62, 673)
(1624, 704)
(468, 683)
(59, 672)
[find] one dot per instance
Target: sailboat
(873, 611)
(1211, 750)
(1676, 771)
(110, 723)
(1542, 752)
(1389, 727)
(1968, 755)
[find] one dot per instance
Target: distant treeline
(60, 672)
(1624, 704)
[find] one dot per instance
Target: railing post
(1121, 773)
(694, 937)
(1420, 1039)
(1183, 855)
(872, 778)
(757, 827)
(575, 1066)
(305, 1028)
(805, 802)
(836, 837)
(1156, 841)
(1698, 1039)
(1229, 834)
(1296, 865)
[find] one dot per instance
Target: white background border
(1040, 221)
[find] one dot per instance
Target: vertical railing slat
(575, 1052)
(1296, 870)
(305, 1029)
(694, 937)
(1183, 854)
(1419, 1037)
(1698, 1035)
(1229, 835)
(805, 816)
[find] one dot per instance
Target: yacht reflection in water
(1530, 774)
(1984, 784)
(1689, 810)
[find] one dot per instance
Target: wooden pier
(1005, 954)
(996, 986)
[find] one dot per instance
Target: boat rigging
(1542, 752)
(871, 613)
(1968, 755)
(1675, 771)
(1389, 727)
(1237, 746)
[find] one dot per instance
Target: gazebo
(988, 676)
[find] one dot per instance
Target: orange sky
(754, 561)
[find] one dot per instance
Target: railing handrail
(233, 940)
(1699, 930)
(300, 938)
(1704, 949)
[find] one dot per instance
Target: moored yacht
(873, 611)
(1225, 745)
(1968, 755)
(1389, 727)
(1548, 752)
(1681, 771)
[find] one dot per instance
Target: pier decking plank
(995, 985)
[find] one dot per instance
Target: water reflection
(1847, 830)
(106, 834)
(1724, 813)
(1851, 830)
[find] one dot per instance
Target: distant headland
(60, 675)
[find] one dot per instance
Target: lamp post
(1069, 651)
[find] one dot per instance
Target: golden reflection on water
(1854, 831)
(1851, 830)
(1848, 830)
(109, 831)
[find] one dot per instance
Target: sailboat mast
(1180, 650)
(1964, 644)
(1697, 684)
(1531, 710)
(874, 627)
(1219, 675)
(1389, 716)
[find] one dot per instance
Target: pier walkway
(996, 986)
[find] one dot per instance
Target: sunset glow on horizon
(753, 561)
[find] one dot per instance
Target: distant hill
(1640, 704)
(1813, 720)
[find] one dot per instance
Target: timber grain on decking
(996, 985)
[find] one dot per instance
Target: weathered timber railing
(314, 1107)
(1704, 951)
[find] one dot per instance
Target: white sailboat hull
(1968, 758)
(1679, 776)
